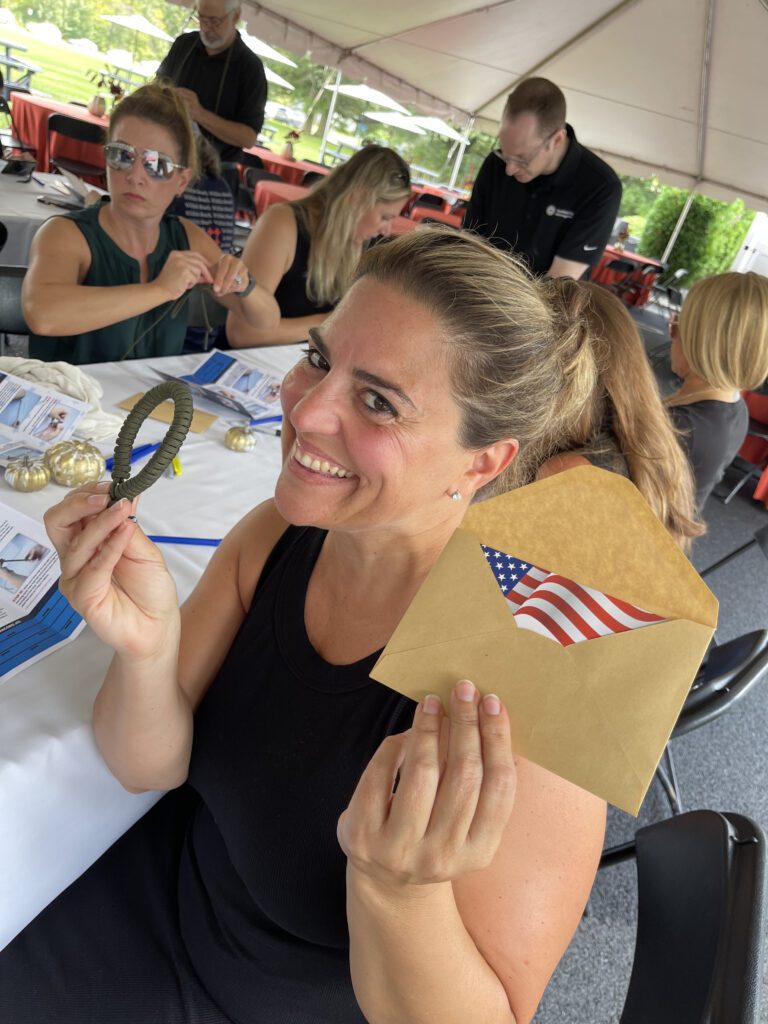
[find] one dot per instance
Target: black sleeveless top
(281, 740)
(291, 293)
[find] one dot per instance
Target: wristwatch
(248, 288)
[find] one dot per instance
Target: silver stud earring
(455, 496)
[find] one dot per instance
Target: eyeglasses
(525, 161)
(121, 157)
(204, 19)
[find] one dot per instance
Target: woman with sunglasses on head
(306, 252)
(109, 282)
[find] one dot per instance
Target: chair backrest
(254, 174)
(699, 947)
(11, 315)
(621, 266)
(427, 199)
(74, 128)
(250, 160)
(310, 177)
(730, 671)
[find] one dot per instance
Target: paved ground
(720, 766)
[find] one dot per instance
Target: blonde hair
(333, 209)
(623, 405)
(510, 354)
(160, 104)
(724, 330)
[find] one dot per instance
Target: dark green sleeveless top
(111, 266)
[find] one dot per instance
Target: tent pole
(679, 226)
(331, 108)
(461, 150)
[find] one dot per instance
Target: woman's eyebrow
(362, 375)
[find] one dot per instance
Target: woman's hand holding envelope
(453, 800)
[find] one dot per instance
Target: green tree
(709, 240)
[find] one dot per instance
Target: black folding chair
(701, 920)
(79, 131)
(11, 315)
(10, 140)
(310, 177)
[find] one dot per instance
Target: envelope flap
(596, 528)
(459, 598)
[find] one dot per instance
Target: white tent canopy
(368, 95)
(391, 117)
(673, 87)
(138, 23)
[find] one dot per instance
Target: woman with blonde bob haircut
(306, 252)
(719, 348)
(617, 420)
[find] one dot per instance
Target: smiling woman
(289, 882)
(109, 282)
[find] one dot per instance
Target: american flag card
(559, 608)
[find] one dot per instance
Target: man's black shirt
(231, 84)
(569, 213)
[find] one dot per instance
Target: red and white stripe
(568, 612)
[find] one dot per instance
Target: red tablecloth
(292, 171)
(268, 192)
(419, 213)
(633, 296)
(30, 115)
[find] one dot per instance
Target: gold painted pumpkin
(26, 474)
(73, 463)
(240, 439)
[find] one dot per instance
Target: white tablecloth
(22, 214)
(60, 807)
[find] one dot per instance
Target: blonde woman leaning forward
(109, 282)
(621, 424)
(299, 889)
(306, 252)
(719, 348)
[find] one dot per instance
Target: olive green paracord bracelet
(123, 485)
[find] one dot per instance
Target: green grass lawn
(64, 74)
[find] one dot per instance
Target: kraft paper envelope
(598, 712)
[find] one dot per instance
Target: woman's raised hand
(111, 573)
(230, 275)
(453, 799)
(183, 270)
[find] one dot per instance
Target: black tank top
(281, 739)
(291, 294)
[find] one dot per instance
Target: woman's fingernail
(465, 690)
(98, 499)
(491, 704)
(431, 705)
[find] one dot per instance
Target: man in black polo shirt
(221, 81)
(541, 193)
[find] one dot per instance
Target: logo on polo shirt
(554, 211)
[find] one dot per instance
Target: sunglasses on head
(120, 157)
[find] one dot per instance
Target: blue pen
(38, 180)
(208, 542)
(265, 419)
(136, 453)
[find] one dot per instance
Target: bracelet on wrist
(248, 288)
